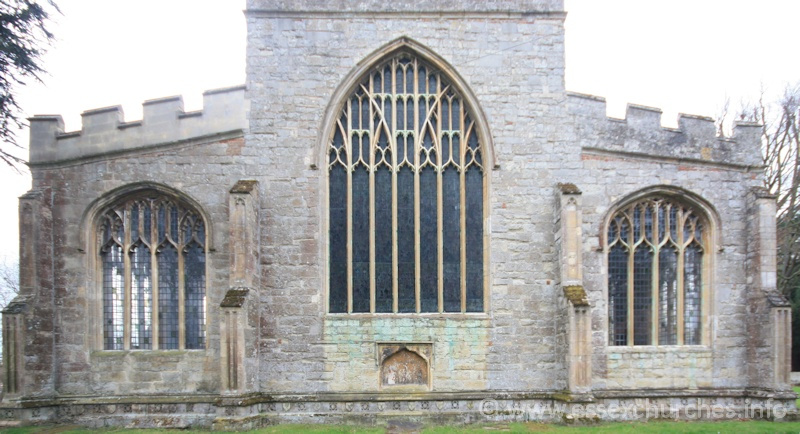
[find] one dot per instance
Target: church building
(401, 215)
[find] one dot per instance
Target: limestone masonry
(402, 215)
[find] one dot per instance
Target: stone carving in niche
(404, 365)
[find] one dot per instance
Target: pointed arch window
(406, 196)
(152, 254)
(657, 255)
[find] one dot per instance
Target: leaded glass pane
(451, 236)
(113, 297)
(668, 296)
(692, 284)
(474, 235)
(168, 297)
(134, 226)
(141, 299)
(173, 222)
(361, 259)
(383, 240)
(337, 240)
(429, 252)
(162, 222)
(618, 295)
(406, 255)
(147, 222)
(130, 226)
(195, 297)
(642, 295)
(667, 239)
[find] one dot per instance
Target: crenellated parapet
(641, 133)
(278, 7)
(104, 130)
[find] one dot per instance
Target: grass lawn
(621, 427)
(797, 391)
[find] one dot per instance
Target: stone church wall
(203, 166)
(253, 163)
(623, 156)
(514, 65)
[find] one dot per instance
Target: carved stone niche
(405, 367)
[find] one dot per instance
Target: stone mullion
(631, 254)
(143, 306)
(462, 152)
(372, 138)
(706, 245)
(437, 145)
(654, 297)
(154, 272)
(485, 211)
(417, 144)
(181, 286)
(680, 271)
(348, 144)
(126, 259)
(393, 148)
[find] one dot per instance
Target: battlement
(164, 121)
(641, 133)
(403, 6)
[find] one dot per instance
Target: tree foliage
(23, 39)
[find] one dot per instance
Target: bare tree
(780, 141)
(9, 282)
(780, 137)
(9, 288)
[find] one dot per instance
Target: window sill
(412, 316)
(658, 349)
(145, 353)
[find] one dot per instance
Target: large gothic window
(656, 250)
(406, 196)
(152, 256)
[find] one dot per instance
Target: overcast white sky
(680, 55)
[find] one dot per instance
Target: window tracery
(152, 251)
(656, 257)
(406, 196)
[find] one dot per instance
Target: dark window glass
(429, 241)
(361, 279)
(451, 239)
(668, 296)
(692, 283)
(664, 245)
(642, 295)
(338, 239)
(398, 177)
(618, 295)
(195, 297)
(474, 235)
(146, 228)
(383, 240)
(406, 256)
(168, 297)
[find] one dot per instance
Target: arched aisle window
(152, 261)
(406, 195)
(658, 249)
